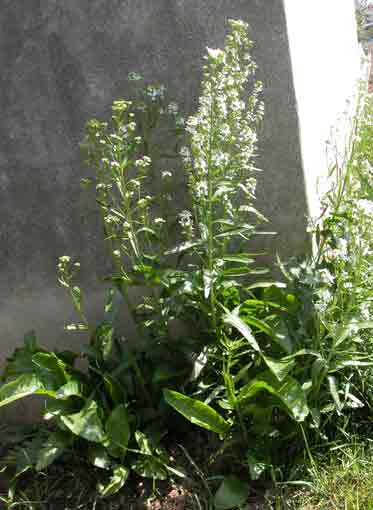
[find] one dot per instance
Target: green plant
(289, 364)
(269, 369)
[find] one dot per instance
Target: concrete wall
(64, 61)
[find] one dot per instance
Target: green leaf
(86, 423)
(231, 493)
(196, 412)
(26, 456)
(150, 467)
(52, 449)
(72, 388)
(290, 393)
(50, 370)
(98, 456)
(144, 443)
(164, 373)
(20, 362)
(279, 368)
(264, 285)
(118, 428)
(77, 298)
(180, 248)
(334, 392)
(116, 482)
(59, 407)
(242, 258)
(352, 328)
(318, 371)
(259, 324)
(234, 320)
(23, 386)
(256, 468)
(104, 338)
(209, 278)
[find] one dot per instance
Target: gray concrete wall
(64, 61)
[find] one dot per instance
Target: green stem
(136, 366)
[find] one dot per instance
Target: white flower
(366, 206)
(216, 54)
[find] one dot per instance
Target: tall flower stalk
(220, 160)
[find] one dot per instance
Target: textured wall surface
(64, 61)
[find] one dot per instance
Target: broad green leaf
(26, 456)
(59, 407)
(292, 395)
(150, 467)
(256, 468)
(72, 388)
(196, 412)
(318, 371)
(20, 362)
(280, 368)
(354, 327)
(52, 449)
(289, 392)
(144, 443)
(118, 428)
(116, 482)
(23, 386)
(231, 494)
(164, 373)
(282, 337)
(234, 320)
(86, 423)
(50, 370)
(98, 456)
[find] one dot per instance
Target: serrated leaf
(231, 494)
(118, 428)
(196, 412)
(86, 423)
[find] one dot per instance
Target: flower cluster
(222, 143)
